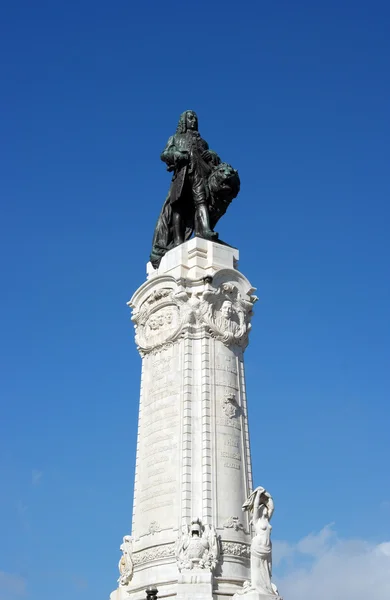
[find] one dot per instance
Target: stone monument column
(190, 537)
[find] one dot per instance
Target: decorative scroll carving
(125, 564)
(234, 523)
(165, 551)
(197, 547)
(236, 549)
(226, 314)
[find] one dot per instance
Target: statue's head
(224, 182)
(188, 120)
(195, 528)
(263, 511)
(226, 309)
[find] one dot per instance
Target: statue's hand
(181, 157)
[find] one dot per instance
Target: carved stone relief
(233, 523)
(197, 547)
(125, 565)
(230, 406)
(165, 313)
(226, 314)
(154, 527)
(160, 319)
(236, 549)
(165, 551)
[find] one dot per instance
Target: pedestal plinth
(193, 467)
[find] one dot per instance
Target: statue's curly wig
(182, 124)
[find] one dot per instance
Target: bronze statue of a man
(202, 187)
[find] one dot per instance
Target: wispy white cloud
(12, 587)
(322, 566)
(36, 477)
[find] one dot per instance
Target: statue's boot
(202, 224)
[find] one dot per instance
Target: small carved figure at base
(261, 504)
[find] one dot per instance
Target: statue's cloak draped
(223, 184)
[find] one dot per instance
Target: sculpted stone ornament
(160, 319)
(226, 314)
(154, 527)
(197, 547)
(230, 406)
(163, 316)
(261, 504)
(125, 565)
(233, 523)
(201, 190)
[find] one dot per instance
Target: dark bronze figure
(201, 190)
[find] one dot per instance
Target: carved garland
(166, 551)
(236, 549)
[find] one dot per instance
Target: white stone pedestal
(195, 585)
(192, 319)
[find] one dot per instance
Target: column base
(195, 585)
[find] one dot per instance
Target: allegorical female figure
(202, 187)
(261, 504)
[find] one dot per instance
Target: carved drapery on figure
(201, 190)
(165, 314)
(261, 504)
(197, 547)
(125, 565)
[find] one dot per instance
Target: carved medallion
(230, 406)
(160, 319)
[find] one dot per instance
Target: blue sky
(295, 95)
